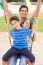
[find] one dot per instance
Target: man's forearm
(9, 14)
(38, 7)
(36, 12)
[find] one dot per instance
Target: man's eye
(22, 10)
(15, 22)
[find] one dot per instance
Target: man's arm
(36, 12)
(8, 12)
(7, 27)
(34, 18)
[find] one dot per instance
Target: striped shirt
(20, 37)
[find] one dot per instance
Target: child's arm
(8, 12)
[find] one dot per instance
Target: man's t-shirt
(20, 37)
(32, 20)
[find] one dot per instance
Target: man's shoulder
(31, 19)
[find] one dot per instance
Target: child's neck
(18, 27)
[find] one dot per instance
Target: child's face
(15, 23)
(27, 23)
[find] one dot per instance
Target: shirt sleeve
(11, 34)
(32, 20)
(29, 32)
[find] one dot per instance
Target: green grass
(39, 27)
(40, 23)
(2, 23)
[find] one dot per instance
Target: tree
(1, 5)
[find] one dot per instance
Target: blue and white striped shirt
(20, 37)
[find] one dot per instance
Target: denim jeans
(13, 60)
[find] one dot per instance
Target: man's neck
(23, 19)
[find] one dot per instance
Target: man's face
(23, 13)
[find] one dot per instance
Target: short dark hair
(14, 18)
(23, 6)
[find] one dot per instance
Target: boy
(20, 45)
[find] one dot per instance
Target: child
(30, 40)
(28, 24)
(20, 45)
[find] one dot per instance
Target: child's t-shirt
(20, 37)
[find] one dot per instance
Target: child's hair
(30, 25)
(14, 18)
(21, 24)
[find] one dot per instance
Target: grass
(40, 23)
(2, 23)
(39, 26)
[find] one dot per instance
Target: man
(24, 12)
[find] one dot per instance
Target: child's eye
(26, 23)
(15, 22)
(12, 24)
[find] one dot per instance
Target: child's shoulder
(13, 29)
(24, 28)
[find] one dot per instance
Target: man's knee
(23, 61)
